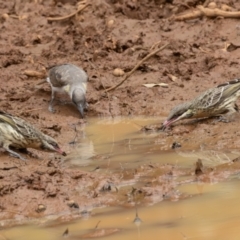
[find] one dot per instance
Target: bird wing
(59, 76)
(65, 74)
(210, 98)
(215, 95)
(23, 127)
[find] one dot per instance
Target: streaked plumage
(17, 133)
(69, 79)
(213, 102)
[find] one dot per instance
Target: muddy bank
(104, 36)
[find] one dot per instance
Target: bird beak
(187, 114)
(60, 151)
(169, 122)
(81, 110)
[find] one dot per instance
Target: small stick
(97, 224)
(74, 140)
(31, 110)
(201, 11)
(136, 67)
(155, 44)
(68, 16)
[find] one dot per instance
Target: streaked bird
(71, 80)
(19, 134)
(213, 102)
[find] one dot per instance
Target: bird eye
(54, 144)
(175, 116)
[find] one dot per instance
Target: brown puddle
(211, 213)
(118, 142)
(196, 208)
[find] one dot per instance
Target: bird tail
(231, 82)
(230, 88)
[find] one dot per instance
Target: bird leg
(12, 153)
(229, 115)
(223, 119)
(50, 108)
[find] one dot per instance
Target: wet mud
(104, 36)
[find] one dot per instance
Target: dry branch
(137, 66)
(70, 15)
(31, 110)
(202, 11)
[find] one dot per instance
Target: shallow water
(211, 211)
(119, 142)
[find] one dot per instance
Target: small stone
(212, 5)
(5, 16)
(72, 204)
(118, 72)
(176, 145)
(110, 23)
(41, 208)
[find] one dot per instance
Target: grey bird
(19, 134)
(213, 102)
(71, 80)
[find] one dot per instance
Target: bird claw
(51, 109)
(223, 119)
(16, 155)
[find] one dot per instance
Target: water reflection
(210, 212)
(137, 221)
(119, 142)
(210, 157)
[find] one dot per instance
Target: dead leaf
(172, 77)
(150, 85)
(32, 73)
(231, 47)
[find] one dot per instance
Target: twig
(155, 44)
(109, 102)
(65, 234)
(68, 16)
(31, 110)
(109, 106)
(97, 224)
(201, 11)
(136, 67)
(74, 140)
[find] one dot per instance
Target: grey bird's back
(65, 74)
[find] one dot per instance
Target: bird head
(79, 99)
(49, 144)
(179, 112)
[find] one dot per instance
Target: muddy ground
(108, 34)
